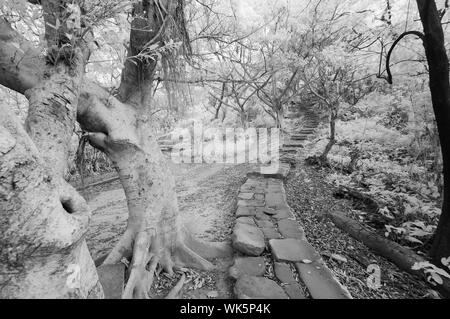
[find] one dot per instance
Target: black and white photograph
(225, 154)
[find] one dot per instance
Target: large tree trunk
(438, 63)
(122, 129)
(42, 225)
(153, 233)
(51, 217)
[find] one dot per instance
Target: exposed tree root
(176, 290)
(139, 276)
(123, 249)
(209, 250)
(153, 237)
(146, 255)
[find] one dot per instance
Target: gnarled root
(176, 290)
(137, 286)
(147, 254)
(209, 250)
(153, 237)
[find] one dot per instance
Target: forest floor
(207, 196)
(311, 198)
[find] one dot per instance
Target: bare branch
(389, 78)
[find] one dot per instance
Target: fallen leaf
(339, 258)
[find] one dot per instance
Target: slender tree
(438, 63)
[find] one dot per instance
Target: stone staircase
(297, 132)
(274, 259)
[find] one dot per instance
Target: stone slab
(248, 240)
(293, 250)
(293, 143)
(112, 278)
(260, 215)
(248, 287)
(290, 229)
(245, 211)
(265, 224)
(284, 273)
(275, 189)
(294, 291)
(259, 197)
(246, 196)
(280, 172)
(275, 200)
(270, 233)
(246, 220)
(299, 137)
(283, 213)
(289, 150)
(269, 211)
(251, 266)
(321, 282)
(251, 203)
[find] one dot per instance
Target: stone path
(268, 237)
(273, 257)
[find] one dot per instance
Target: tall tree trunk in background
(44, 220)
(222, 96)
(243, 117)
(438, 63)
(279, 111)
(332, 138)
(122, 129)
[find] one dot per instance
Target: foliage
(397, 162)
(434, 274)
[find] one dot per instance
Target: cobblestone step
(250, 266)
(248, 239)
(321, 282)
(248, 287)
(112, 278)
(277, 171)
(289, 150)
(294, 144)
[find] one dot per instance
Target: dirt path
(207, 200)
